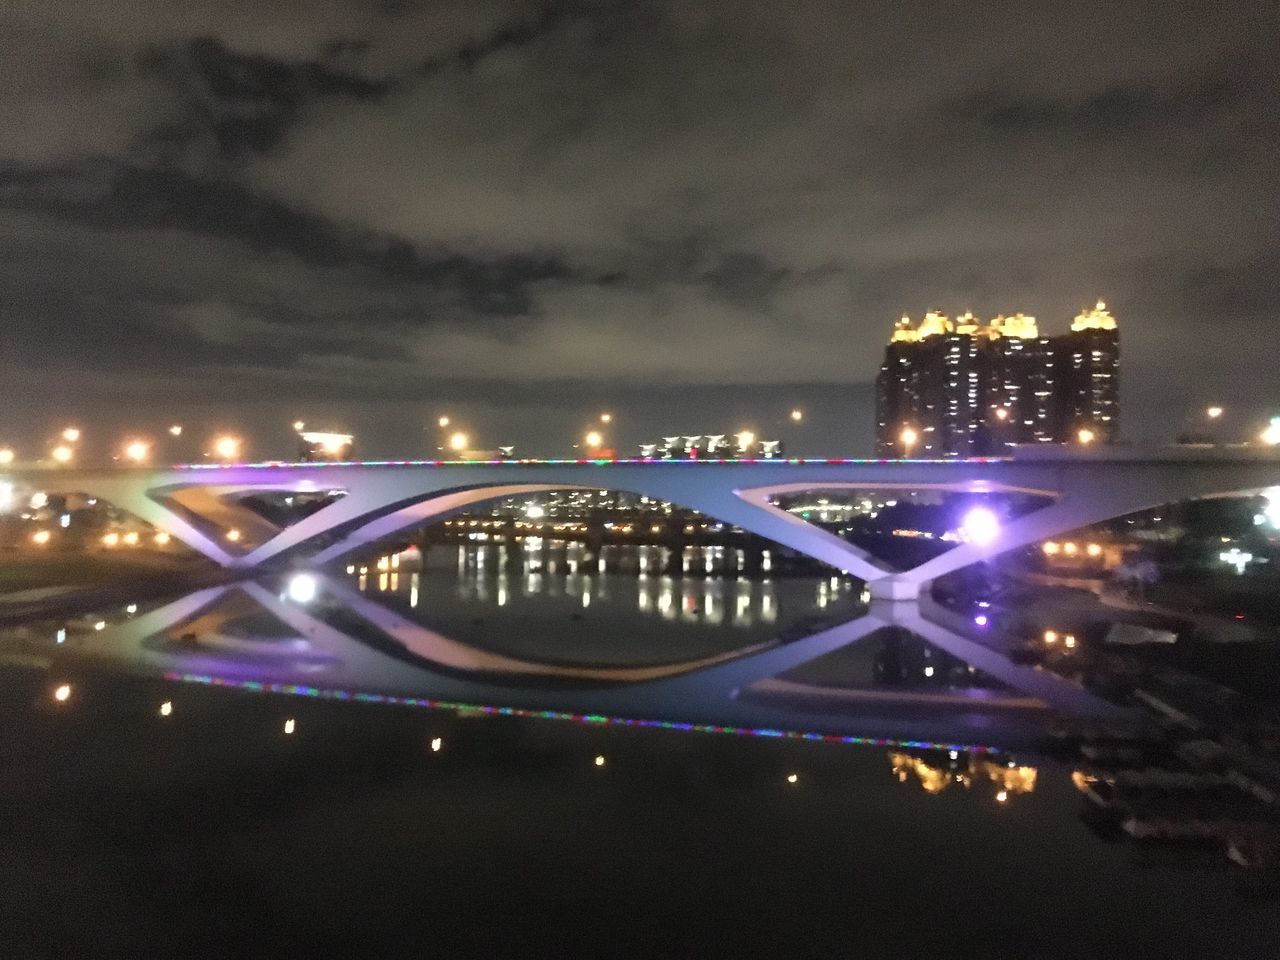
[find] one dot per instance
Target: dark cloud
(689, 212)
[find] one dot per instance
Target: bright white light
(176, 430)
(71, 434)
(1235, 557)
(594, 439)
(797, 415)
(928, 671)
(1214, 412)
(6, 496)
(980, 525)
(302, 588)
(6, 456)
(299, 426)
(290, 726)
(1271, 435)
(745, 439)
(442, 422)
(166, 708)
(41, 537)
(137, 451)
(226, 448)
(436, 744)
(1271, 512)
(459, 442)
(606, 418)
(63, 454)
(599, 761)
(62, 693)
(792, 778)
(534, 512)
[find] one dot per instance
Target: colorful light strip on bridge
(589, 719)
(598, 462)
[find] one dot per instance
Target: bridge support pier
(895, 589)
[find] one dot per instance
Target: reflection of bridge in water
(201, 505)
(344, 645)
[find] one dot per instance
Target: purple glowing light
(981, 620)
(980, 525)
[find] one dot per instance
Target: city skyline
(365, 215)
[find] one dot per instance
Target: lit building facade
(966, 388)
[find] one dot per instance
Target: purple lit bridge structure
(200, 505)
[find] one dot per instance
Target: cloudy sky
(696, 215)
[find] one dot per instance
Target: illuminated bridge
(200, 504)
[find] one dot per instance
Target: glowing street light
(62, 453)
(6, 456)
(745, 439)
(62, 693)
(1002, 413)
(71, 434)
(137, 451)
(459, 442)
(606, 418)
(41, 537)
(442, 422)
(908, 438)
(299, 426)
(594, 440)
(980, 525)
(175, 430)
(1085, 436)
(226, 447)
(1214, 412)
(1271, 435)
(797, 415)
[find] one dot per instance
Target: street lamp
(71, 434)
(63, 454)
(6, 456)
(299, 426)
(1002, 413)
(1271, 435)
(459, 442)
(594, 440)
(442, 422)
(908, 438)
(137, 451)
(606, 418)
(1214, 412)
(1085, 436)
(175, 430)
(226, 447)
(797, 415)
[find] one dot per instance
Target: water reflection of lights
(588, 719)
(1009, 778)
(694, 599)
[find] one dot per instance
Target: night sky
(694, 215)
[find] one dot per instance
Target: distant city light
(303, 588)
(981, 620)
(1051, 636)
(442, 422)
(908, 438)
(606, 418)
(459, 442)
(233, 535)
(330, 444)
(166, 708)
(599, 761)
(1002, 796)
(1050, 548)
(63, 453)
(594, 440)
(226, 447)
(436, 744)
(1237, 558)
(71, 434)
(41, 537)
(299, 426)
(162, 538)
(797, 415)
(130, 538)
(176, 430)
(980, 525)
(793, 778)
(111, 539)
(1214, 412)
(137, 451)
(534, 512)
(290, 725)
(1085, 436)
(6, 455)
(62, 693)
(1094, 550)
(745, 439)
(1271, 435)
(1002, 413)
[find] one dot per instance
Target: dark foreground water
(258, 772)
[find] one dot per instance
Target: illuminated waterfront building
(967, 388)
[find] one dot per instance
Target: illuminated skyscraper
(967, 388)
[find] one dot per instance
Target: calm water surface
(224, 775)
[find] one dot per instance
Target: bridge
(200, 504)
